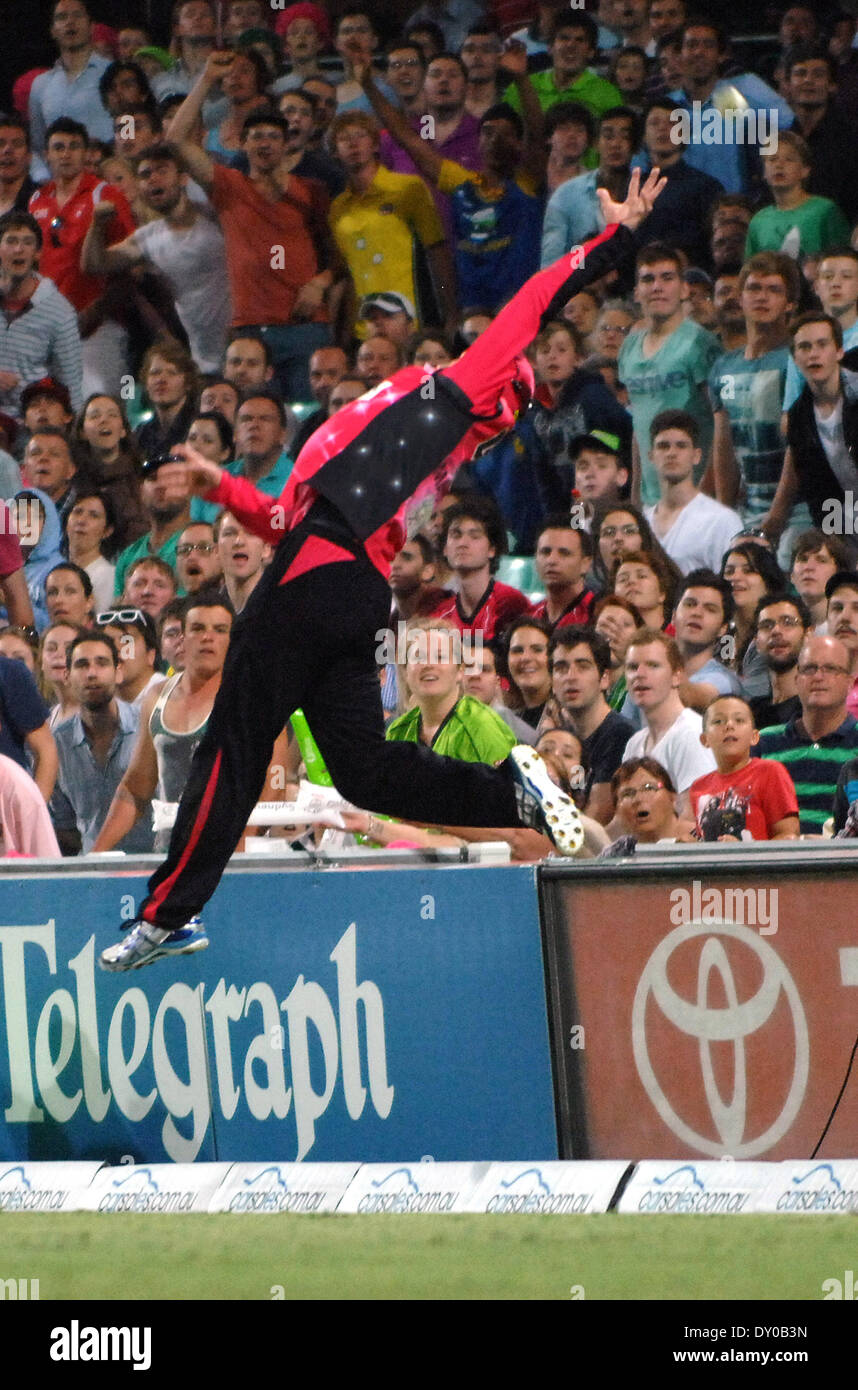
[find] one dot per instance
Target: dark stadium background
(32, 45)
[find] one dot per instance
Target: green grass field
(82, 1256)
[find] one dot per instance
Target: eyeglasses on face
(629, 793)
(788, 621)
(188, 547)
(812, 668)
(609, 532)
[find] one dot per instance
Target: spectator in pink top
(24, 820)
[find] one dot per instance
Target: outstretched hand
(638, 203)
(191, 470)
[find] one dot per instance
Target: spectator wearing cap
(682, 210)
(841, 593)
(41, 335)
(600, 476)
(135, 634)
(816, 744)
(573, 48)
(262, 457)
(95, 747)
(71, 87)
(168, 511)
(573, 213)
(16, 185)
(43, 403)
(390, 315)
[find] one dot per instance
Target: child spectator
(747, 798)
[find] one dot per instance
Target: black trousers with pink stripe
(308, 638)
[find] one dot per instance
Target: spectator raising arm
(96, 257)
(534, 156)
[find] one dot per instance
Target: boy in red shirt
(747, 798)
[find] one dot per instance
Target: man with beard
(136, 636)
(783, 621)
(729, 319)
(168, 509)
(842, 594)
(197, 560)
(94, 748)
(184, 243)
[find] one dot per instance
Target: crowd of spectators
(222, 230)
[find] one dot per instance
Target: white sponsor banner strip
(555, 1187)
(46, 1186)
(812, 1186)
(412, 1187)
(155, 1188)
(278, 1187)
(682, 1187)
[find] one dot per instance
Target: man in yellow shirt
(376, 220)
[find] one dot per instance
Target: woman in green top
(798, 222)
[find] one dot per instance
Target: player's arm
(138, 786)
(46, 763)
(96, 257)
(485, 367)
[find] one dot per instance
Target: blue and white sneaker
(541, 803)
(138, 948)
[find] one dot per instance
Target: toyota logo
(732, 1024)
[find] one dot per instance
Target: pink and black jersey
(377, 460)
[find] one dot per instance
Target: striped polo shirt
(42, 340)
(814, 765)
